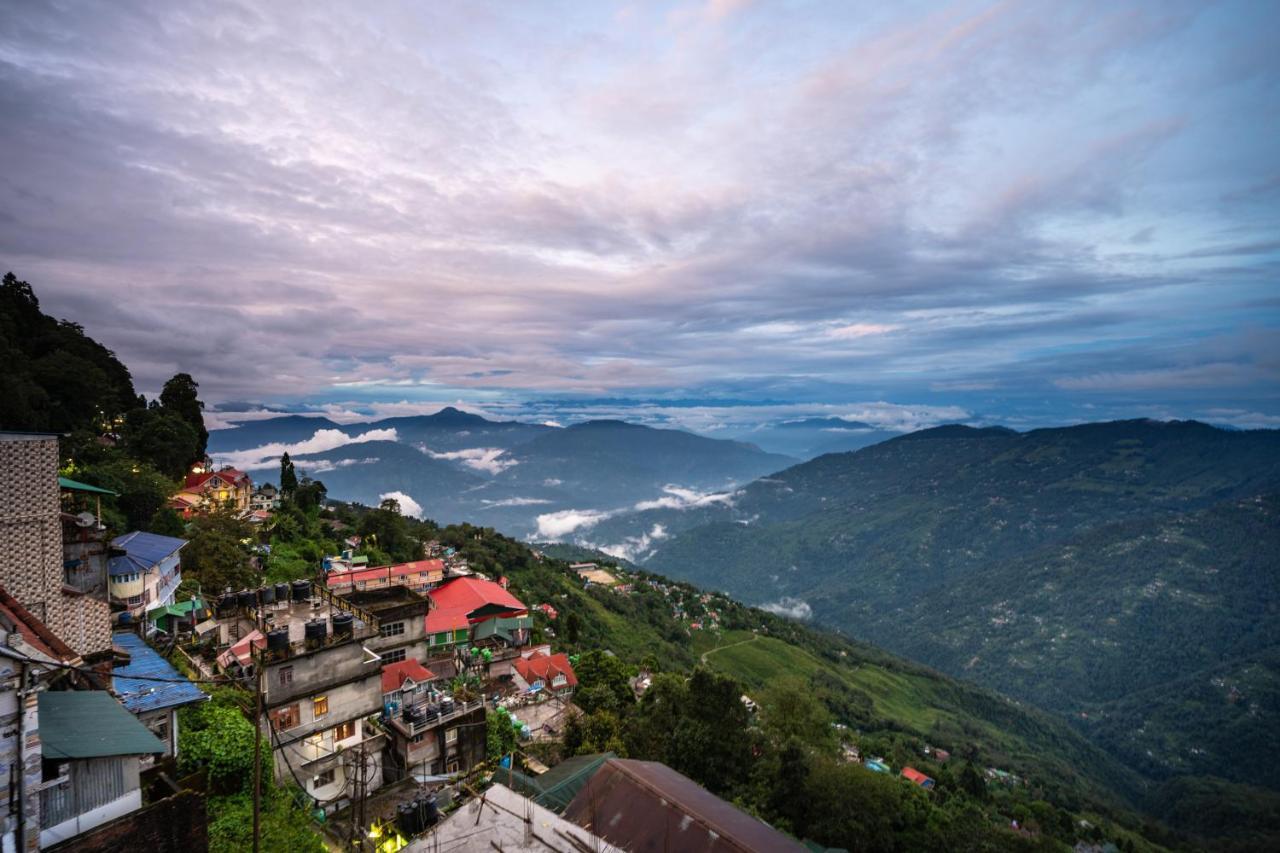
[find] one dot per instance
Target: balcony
(460, 709)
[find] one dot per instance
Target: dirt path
(750, 639)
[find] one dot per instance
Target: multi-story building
(469, 612)
(419, 576)
(402, 622)
(147, 574)
(321, 683)
(31, 545)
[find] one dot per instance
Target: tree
(710, 742)
(166, 522)
(216, 553)
(310, 494)
(789, 711)
(162, 438)
(288, 476)
(180, 396)
(500, 735)
(602, 683)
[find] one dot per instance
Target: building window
(393, 656)
(135, 599)
(286, 675)
(440, 639)
(451, 737)
(460, 635)
(344, 731)
(324, 777)
(286, 717)
(319, 706)
(391, 629)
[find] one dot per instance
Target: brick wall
(177, 824)
(31, 545)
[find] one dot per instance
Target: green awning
(75, 486)
(503, 628)
(90, 724)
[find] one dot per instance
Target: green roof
(556, 788)
(501, 627)
(90, 724)
(178, 608)
(75, 486)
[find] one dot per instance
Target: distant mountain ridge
(459, 466)
(1070, 567)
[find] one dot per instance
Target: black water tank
(267, 595)
(278, 640)
(248, 598)
(431, 813)
(342, 624)
(317, 630)
(282, 592)
(301, 590)
(405, 819)
(227, 604)
(412, 714)
(446, 706)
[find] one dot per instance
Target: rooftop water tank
(301, 590)
(343, 624)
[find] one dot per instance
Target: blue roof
(144, 550)
(141, 696)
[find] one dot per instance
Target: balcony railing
(459, 709)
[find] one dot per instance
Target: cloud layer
(1001, 208)
(268, 455)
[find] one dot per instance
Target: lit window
(344, 731)
(451, 736)
(319, 706)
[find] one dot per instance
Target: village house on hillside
(205, 489)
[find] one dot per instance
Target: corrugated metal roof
(647, 806)
(90, 724)
(143, 550)
(142, 696)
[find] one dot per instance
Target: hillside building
(147, 574)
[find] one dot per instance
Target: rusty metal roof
(647, 806)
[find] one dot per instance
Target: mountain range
(1123, 574)
(522, 478)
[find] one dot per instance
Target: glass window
(393, 656)
(440, 639)
(451, 736)
(325, 777)
(286, 717)
(391, 629)
(286, 675)
(344, 731)
(319, 706)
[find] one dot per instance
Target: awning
(75, 486)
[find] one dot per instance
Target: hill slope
(1066, 567)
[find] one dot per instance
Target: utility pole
(257, 753)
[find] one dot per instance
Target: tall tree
(180, 396)
(162, 438)
(288, 476)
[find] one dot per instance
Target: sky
(709, 214)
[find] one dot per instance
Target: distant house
(419, 576)
(204, 490)
(147, 574)
(462, 608)
(553, 673)
(913, 775)
(154, 703)
(405, 683)
(550, 612)
(876, 765)
(265, 498)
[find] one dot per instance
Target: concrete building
(504, 820)
(31, 545)
(147, 574)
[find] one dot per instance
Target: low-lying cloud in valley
(486, 459)
(408, 506)
(268, 455)
(794, 608)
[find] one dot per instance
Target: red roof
(231, 475)
(394, 674)
(454, 601)
(32, 630)
(399, 570)
(540, 667)
(239, 652)
(915, 775)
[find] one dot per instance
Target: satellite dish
(86, 519)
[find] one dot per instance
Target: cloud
(268, 455)
(515, 502)
(881, 206)
(484, 459)
(677, 497)
(636, 548)
(555, 526)
(408, 506)
(320, 467)
(793, 608)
